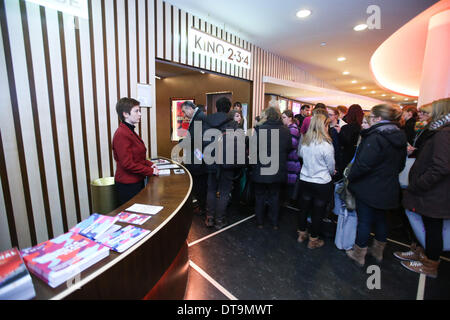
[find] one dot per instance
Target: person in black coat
(373, 179)
(194, 162)
(408, 123)
(269, 175)
(349, 134)
(220, 173)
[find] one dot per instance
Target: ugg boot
(424, 265)
(413, 254)
(376, 250)
(315, 243)
(358, 254)
(302, 236)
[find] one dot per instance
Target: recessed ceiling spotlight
(393, 97)
(354, 81)
(323, 44)
(341, 59)
(346, 73)
(303, 13)
(415, 101)
(360, 27)
(406, 99)
(383, 95)
(364, 88)
(373, 91)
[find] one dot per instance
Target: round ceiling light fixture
(354, 81)
(341, 59)
(303, 13)
(364, 88)
(346, 73)
(360, 27)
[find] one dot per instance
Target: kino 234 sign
(210, 46)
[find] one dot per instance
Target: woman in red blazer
(130, 152)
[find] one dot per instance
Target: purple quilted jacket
(293, 164)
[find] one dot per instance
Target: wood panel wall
(60, 78)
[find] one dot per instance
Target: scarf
(440, 122)
(420, 125)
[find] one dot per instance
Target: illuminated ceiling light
(372, 91)
(303, 13)
(341, 59)
(406, 99)
(354, 81)
(360, 27)
(393, 97)
(383, 95)
(364, 88)
(415, 101)
(346, 73)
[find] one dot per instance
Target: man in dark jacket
(220, 173)
(269, 175)
(194, 162)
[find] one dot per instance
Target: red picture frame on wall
(178, 123)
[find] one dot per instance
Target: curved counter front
(154, 268)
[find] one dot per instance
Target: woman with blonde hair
(316, 179)
(428, 191)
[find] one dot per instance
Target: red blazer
(130, 154)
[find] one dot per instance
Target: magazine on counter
(15, 281)
(58, 260)
(133, 218)
(123, 238)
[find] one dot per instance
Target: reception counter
(154, 268)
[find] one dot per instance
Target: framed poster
(178, 123)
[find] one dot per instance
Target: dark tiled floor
(267, 264)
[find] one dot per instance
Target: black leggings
(316, 197)
(434, 243)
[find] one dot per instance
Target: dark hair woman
(349, 134)
(130, 152)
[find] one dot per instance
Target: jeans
(267, 193)
(216, 207)
(367, 217)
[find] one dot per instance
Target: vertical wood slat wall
(171, 32)
(60, 78)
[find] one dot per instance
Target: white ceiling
(273, 25)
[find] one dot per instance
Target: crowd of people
(317, 148)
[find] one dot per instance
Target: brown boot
(376, 250)
(358, 254)
(413, 254)
(315, 243)
(424, 265)
(302, 236)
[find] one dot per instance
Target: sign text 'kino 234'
(210, 46)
